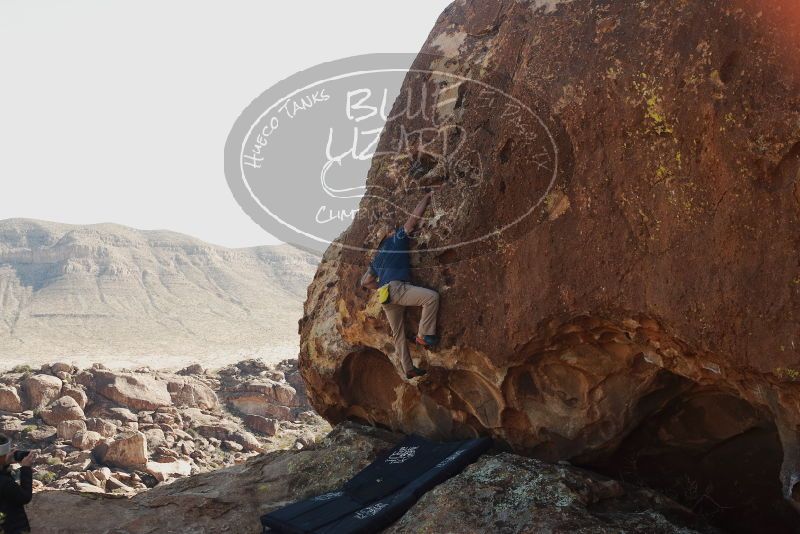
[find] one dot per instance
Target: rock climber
(390, 274)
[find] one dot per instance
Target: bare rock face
(613, 234)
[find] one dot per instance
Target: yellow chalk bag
(383, 294)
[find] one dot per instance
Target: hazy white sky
(119, 111)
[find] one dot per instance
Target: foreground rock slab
(504, 493)
(510, 493)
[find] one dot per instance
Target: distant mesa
(109, 293)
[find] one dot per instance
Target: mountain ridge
(107, 292)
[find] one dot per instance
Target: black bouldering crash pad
(382, 492)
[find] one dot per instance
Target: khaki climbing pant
(403, 294)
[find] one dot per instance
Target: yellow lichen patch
(654, 107)
(343, 313)
(716, 80)
(373, 307)
(787, 373)
(655, 113)
(730, 119)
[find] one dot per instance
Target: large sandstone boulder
(39, 390)
(9, 400)
(127, 450)
(614, 237)
(136, 391)
(63, 409)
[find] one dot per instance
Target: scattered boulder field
(124, 431)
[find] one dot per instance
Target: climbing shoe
(415, 372)
(428, 341)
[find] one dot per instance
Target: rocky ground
(122, 432)
(501, 492)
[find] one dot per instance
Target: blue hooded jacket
(392, 263)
